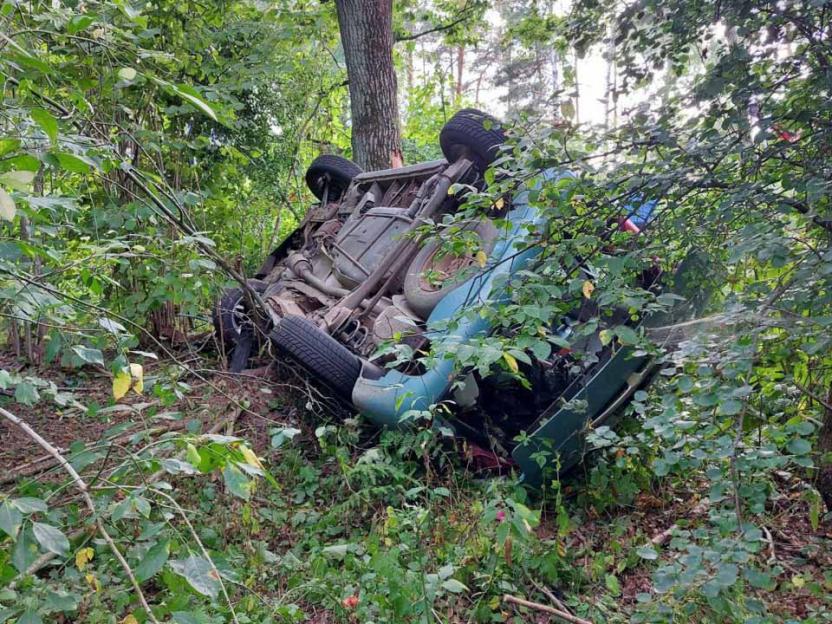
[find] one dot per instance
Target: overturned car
(356, 276)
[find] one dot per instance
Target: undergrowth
(338, 522)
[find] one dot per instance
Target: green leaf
(281, 436)
(61, 600)
(72, 163)
(78, 23)
(8, 145)
(10, 519)
(760, 578)
(24, 162)
(7, 207)
(88, 355)
(626, 335)
(660, 467)
(30, 62)
(684, 383)
(18, 180)
(192, 455)
(26, 394)
(50, 538)
(199, 573)
(112, 326)
(29, 505)
(192, 96)
(47, 123)
(30, 617)
(454, 586)
(123, 509)
(611, 581)
(726, 574)
(541, 349)
(337, 550)
(647, 552)
(25, 551)
(128, 74)
(6, 614)
(177, 466)
(237, 483)
(188, 94)
(153, 561)
(730, 407)
(799, 446)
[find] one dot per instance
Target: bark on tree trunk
(824, 448)
(367, 37)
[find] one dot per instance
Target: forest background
(152, 151)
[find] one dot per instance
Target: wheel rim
(239, 316)
(447, 267)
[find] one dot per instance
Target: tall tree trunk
(460, 65)
(608, 89)
(577, 88)
(367, 37)
(824, 449)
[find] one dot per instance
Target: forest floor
(361, 516)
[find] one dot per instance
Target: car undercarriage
(359, 274)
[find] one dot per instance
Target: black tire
(422, 297)
(318, 352)
(333, 170)
(466, 134)
(229, 315)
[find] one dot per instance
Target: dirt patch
(62, 426)
(196, 400)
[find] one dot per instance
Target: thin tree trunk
(30, 338)
(556, 85)
(25, 235)
(460, 64)
(554, 63)
(577, 89)
(608, 93)
(824, 449)
(410, 70)
(614, 93)
(367, 37)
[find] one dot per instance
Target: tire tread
(466, 129)
(320, 353)
(340, 170)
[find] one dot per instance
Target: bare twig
(546, 592)
(42, 464)
(772, 559)
(442, 27)
(203, 550)
(82, 486)
(660, 539)
(567, 617)
(735, 473)
(813, 396)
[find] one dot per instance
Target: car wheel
(230, 315)
(318, 352)
(466, 134)
(333, 170)
(432, 275)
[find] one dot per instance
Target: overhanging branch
(461, 17)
